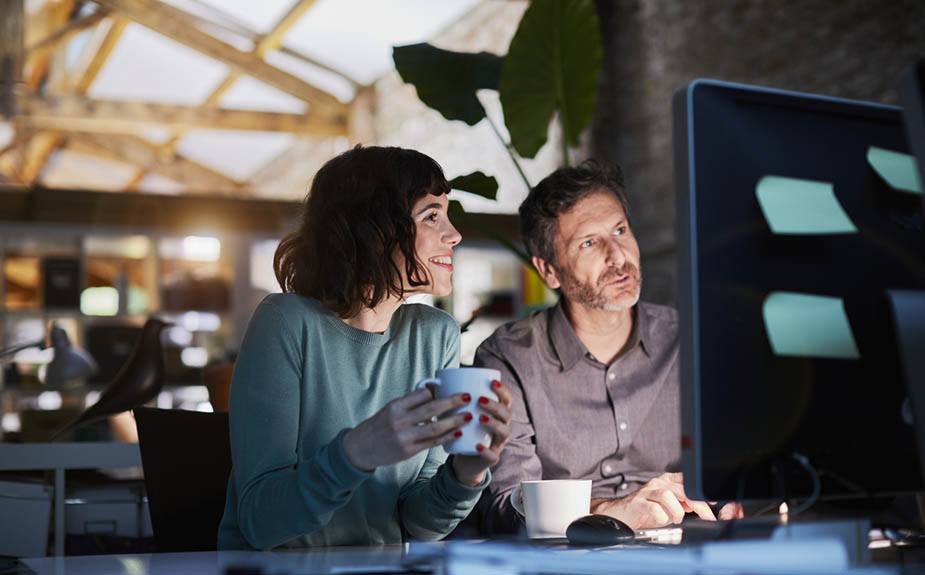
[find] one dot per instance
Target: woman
(329, 447)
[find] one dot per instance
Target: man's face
(598, 257)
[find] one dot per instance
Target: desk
(61, 457)
(459, 557)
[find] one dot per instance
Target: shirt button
(622, 426)
(612, 376)
(623, 486)
(607, 469)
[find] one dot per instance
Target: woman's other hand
(403, 428)
(470, 469)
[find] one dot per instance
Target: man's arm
(519, 461)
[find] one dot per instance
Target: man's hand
(660, 502)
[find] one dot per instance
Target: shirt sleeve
(280, 494)
(433, 504)
(519, 461)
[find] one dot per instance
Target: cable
(817, 485)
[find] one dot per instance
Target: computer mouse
(599, 530)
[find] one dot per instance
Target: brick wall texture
(848, 48)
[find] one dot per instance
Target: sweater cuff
(349, 474)
(455, 488)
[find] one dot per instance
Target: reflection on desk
(816, 556)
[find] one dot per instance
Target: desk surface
(353, 560)
(814, 557)
(68, 455)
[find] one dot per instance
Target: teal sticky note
(795, 206)
(808, 325)
(898, 169)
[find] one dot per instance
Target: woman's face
(436, 238)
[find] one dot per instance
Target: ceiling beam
(50, 17)
(66, 32)
(274, 38)
(75, 113)
(268, 43)
(137, 151)
(175, 24)
(37, 155)
(184, 214)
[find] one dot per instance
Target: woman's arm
(433, 504)
(280, 496)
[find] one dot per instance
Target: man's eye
(587, 243)
(620, 231)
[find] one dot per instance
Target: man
(595, 378)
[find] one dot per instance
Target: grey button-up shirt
(577, 418)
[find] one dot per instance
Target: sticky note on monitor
(799, 207)
(898, 169)
(806, 325)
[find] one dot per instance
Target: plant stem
(510, 151)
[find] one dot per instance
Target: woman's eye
(432, 217)
(587, 243)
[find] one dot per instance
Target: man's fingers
(731, 511)
(675, 484)
(701, 509)
(669, 502)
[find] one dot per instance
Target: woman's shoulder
(423, 314)
(292, 307)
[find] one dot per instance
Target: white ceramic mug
(549, 506)
(475, 381)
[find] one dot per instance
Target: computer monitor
(912, 100)
(794, 219)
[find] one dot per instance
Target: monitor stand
(909, 321)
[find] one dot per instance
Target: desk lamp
(70, 362)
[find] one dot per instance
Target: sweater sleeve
(281, 495)
(433, 504)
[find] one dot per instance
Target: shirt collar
(570, 349)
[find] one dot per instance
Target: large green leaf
(447, 81)
(476, 183)
(552, 66)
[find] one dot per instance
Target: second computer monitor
(795, 214)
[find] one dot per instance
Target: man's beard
(594, 296)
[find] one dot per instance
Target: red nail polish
(483, 400)
(483, 419)
(480, 448)
(466, 397)
(457, 434)
(496, 384)
(468, 417)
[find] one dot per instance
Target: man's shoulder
(520, 335)
(657, 313)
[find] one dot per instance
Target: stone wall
(848, 48)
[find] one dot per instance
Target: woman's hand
(403, 428)
(470, 469)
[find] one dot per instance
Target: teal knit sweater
(302, 378)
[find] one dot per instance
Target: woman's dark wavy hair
(356, 219)
(558, 193)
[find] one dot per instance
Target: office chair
(186, 457)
